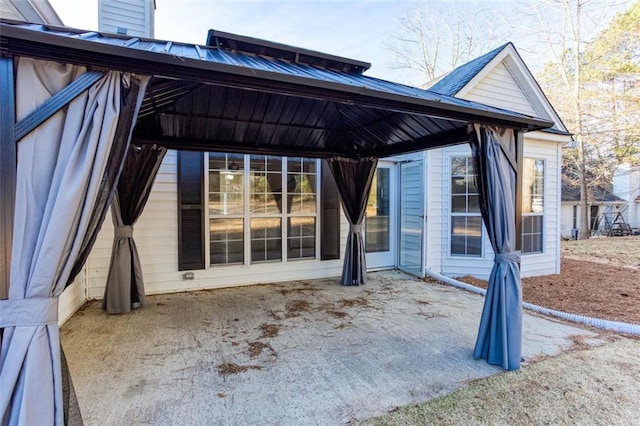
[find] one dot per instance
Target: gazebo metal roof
(246, 95)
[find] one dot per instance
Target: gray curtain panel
(353, 178)
(128, 115)
(125, 285)
(60, 171)
(500, 333)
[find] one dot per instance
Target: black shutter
(330, 219)
(190, 210)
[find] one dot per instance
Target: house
(626, 183)
(86, 121)
(603, 205)
(455, 242)
(271, 217)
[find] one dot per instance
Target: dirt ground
(600, 277)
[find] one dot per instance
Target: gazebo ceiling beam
(56, 103)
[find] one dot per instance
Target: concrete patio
(295, 353)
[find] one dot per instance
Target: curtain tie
(507, 257)
(355, 228)
(31, 311)
(124, 231)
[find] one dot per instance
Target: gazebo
(86, 117)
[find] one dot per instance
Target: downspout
(620, 327)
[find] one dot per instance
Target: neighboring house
(39, 12)
(602, 208)
(626, 183)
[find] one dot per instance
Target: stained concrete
(296, 353)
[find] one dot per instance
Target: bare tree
(436, 37)
(596, 105)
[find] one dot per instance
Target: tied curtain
(125, 286)
(62, 178)
(500, 333)
(353, 178)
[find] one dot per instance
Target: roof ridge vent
(269, 49)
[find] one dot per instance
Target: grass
(595, 386)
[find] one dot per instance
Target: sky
(358, 29)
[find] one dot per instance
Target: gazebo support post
(8, 169)
(519, 140)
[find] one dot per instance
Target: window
(466, 220)
(267, 211)
(226, 208)
(301, 208)
(265, 208)
(532, 206)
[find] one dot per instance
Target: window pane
(266, 239)
(226, 184)
(533, 186)
(526, 243)
(301, 186)
(458, 166)
(227, 240)
(532, 234)
(294, 165)
(458, 185)
(466, 235)
(536, 224)
(301, 241)
(466, 225)
(474, 236)
(265, 184)
(217, 161)
(274, 249)
(459, 204)
(474, 204)
(459, 235)
(472, 184)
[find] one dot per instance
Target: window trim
(543, 215)
(247, 215)
(451, 214)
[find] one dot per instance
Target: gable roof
(597, 194)
(460, 80)
(453, 81)
(39, 11)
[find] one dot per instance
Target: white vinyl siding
(439, 217)
(498, 88)
(156, 236)
(133, 16)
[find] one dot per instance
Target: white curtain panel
(60, 167)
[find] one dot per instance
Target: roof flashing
(273, 50)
